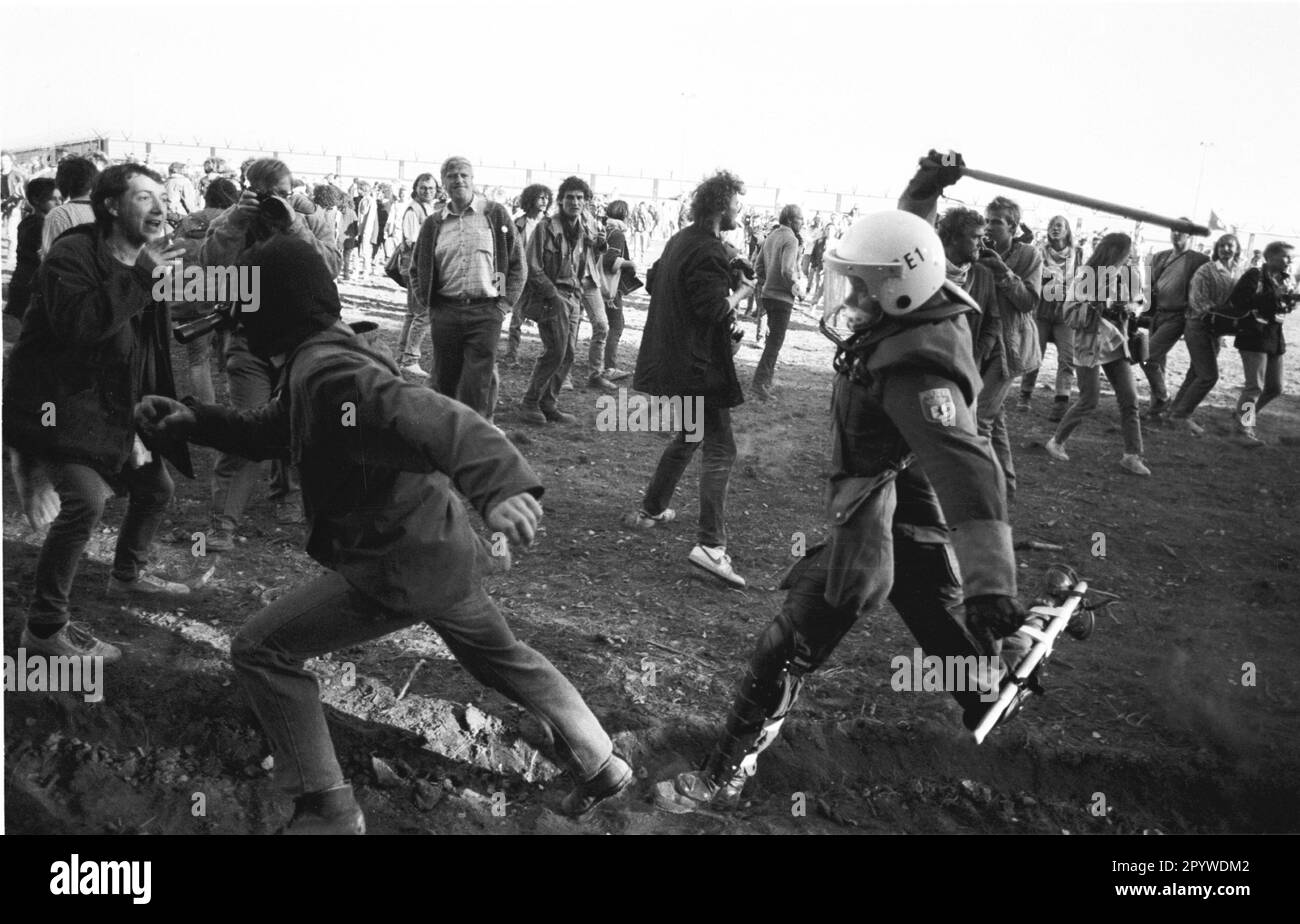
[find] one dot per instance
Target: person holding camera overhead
(267, 208)
(1100, 315)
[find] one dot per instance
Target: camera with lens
(223, 317)
(740, 269)
(274, 211)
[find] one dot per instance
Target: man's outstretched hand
(936, 173)
(516, 517)
(164, 416)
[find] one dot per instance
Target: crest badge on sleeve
(938, 407)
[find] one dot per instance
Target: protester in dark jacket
(686, 353)
(1262, 296)
(381, 461)
(43, 196)
(93, 341)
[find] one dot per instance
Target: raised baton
(1174, 224)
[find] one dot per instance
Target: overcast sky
(1122, 101)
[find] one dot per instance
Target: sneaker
(144, 583)
(1248, 438)
(1058, 409)
(559, 416)
(1056, 450)
(532, 415)
(73, 640)
(414, 368)
(1187, 425)
(1132, 462)
(614, 374)
(643, 520)
(612, 779)
(762, 392)
(334, 811)
(716, 561)
(1022, 403)
(221, 535)
(568, 383)
(695, 791)
(599, 381)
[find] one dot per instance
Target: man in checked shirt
(468, 270)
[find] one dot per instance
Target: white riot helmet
(893, 259)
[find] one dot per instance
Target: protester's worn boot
(331, 811)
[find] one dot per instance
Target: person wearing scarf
(1059, 256)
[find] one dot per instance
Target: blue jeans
(251, 381)
(1203, 350)
(1120, 373)
(559, 335)
(1263, 382)
(1061, 334)
(1166, 331)
(715, 472)
(991, 420)
(414, 327)
(328, 614)
(778, 322)
(82, 495)
(593, 303)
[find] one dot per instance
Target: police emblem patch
(938, 407)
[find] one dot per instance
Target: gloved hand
(994, 615)
(936, 173)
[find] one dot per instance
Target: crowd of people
(935, 315)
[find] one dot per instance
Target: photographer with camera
(1102, 329)
(267, 208)
(1262, 296)
(687, 350)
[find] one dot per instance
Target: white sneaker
(1187, 425)
(716, 561)
(145, 584)
(1056, 450)
(73, 640)
(643, 520)
(414, 368)
(1132, 462)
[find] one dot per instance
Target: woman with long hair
(1058, 253)
(1098, 314)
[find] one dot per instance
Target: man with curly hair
(535, 200)
(695, 288)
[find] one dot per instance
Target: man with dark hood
(380, 461)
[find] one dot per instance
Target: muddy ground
(1156, 713)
